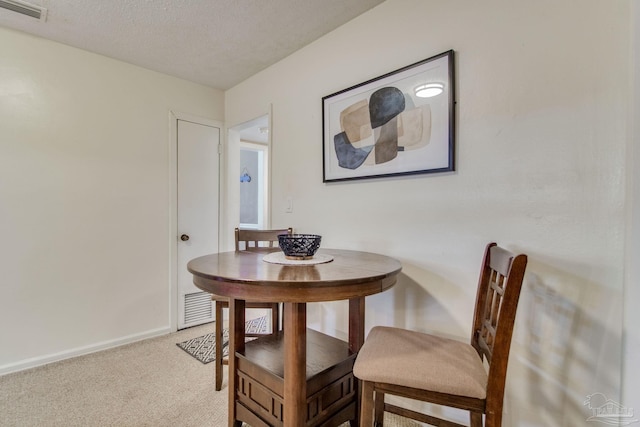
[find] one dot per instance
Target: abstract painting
(401, 123)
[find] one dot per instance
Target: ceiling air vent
(25, 8)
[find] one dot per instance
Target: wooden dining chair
(442, 371)
(253, 241)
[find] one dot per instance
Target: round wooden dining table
(295, 376)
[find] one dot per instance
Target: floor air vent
(25, 8)
(198, 307)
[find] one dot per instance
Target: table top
(244, 275)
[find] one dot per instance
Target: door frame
(231, 217)
(174, 116)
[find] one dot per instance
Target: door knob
(184, 237)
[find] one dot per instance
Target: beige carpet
(149, 383)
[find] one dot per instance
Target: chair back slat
(259, 240)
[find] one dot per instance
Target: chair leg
(366, 404)
(281, 315)
(475, 419)
(219, 338)
(275, 318)
(378, 400)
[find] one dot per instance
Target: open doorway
(253, 173)
(254, 162)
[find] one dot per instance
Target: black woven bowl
(299, 246)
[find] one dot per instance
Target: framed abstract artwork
(401, 123)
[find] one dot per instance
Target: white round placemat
(279, 258)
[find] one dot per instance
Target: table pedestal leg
(295, 364)
(236, 343)
(356, 324)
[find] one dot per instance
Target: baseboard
(80, 351)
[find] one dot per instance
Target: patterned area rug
(203, 347)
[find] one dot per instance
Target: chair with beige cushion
(253, 241)
(442, 371)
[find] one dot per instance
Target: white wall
(631, 333)
(542, 110)
(84, 198)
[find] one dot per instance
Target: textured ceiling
(218, 43)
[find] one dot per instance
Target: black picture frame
(383, 127)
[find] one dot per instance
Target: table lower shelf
(331, 387)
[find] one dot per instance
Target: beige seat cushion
(427, 362)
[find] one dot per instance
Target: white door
(198, 177)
